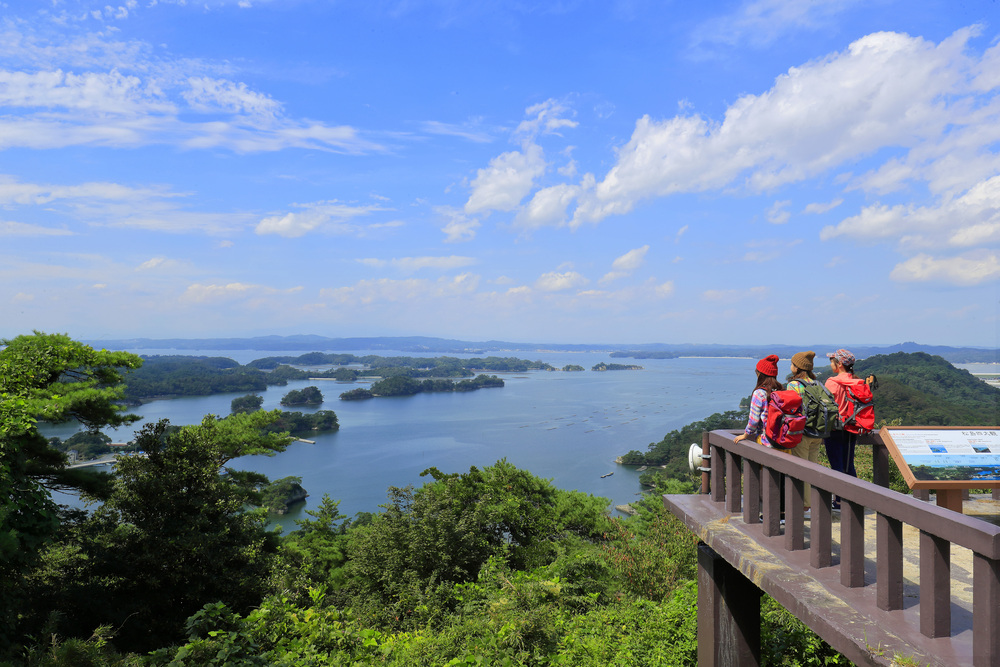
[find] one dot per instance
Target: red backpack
(860, 408)
(785, 421)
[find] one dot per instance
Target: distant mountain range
(424, 344)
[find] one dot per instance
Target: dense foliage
(491, 566)
(921, 389)
(305, 396)
(279, 494)
(604, 366)
(194, 376)
(401, 385)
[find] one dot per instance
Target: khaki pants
(808, 449)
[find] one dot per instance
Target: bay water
(564, 426)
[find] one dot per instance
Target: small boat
(608, 475)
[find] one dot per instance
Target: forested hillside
(923, 389)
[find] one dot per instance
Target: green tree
(307, 396)
(248, 403)
(175, 533)
(52, 378)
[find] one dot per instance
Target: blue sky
(759, 172)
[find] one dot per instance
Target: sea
(567, 427)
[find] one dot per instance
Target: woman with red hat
(767, 381)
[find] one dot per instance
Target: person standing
(808, 448)
(841, 443)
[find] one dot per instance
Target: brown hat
(803, 360)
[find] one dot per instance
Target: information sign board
(947, 457)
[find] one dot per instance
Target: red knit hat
(768, 365)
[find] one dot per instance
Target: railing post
(719, 456)
(888, 562)
(852, 544)
(771, 492)
(734, 483)
(795, 538)
(820, 529)
(751, 491)
(935, 585)
(880, 464)
(986, 611)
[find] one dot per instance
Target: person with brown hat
(808, 449)
(767, 381)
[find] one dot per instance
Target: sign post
(947, 459)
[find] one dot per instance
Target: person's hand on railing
(741, 436)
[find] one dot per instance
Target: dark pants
(840, 451)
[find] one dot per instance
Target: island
(279, 494)
(616, 367)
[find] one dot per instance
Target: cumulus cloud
(327, 216)
(970, 269)
(557, 282)
(413, 264)
(970, 220)
(626, 264)
(547, 207)
(885, 90)
(506, 181)
(778, 214)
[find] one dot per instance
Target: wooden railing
(746, 478)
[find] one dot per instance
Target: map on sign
(966, 457)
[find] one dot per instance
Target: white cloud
(970, 269)
(94, 91)
(413, 264)
(817, 208)
(208, 95)
(213, 293)
(468, 131)
(327, 216)
(412, 290)
(761, 22)
(885, 90)
(777, 213)
(547, 207)
(10, 228)
(508, 179)
(626, 264)
(545, 118)
(459, 227)
(970, 220)
(735, 295)
(557, 282)
(680, 233)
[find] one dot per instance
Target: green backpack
(820, 409)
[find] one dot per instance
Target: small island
(401, 385)
(279, 494)
(307, 396)
(616, 367)
(573, 367)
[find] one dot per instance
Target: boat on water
(608, 475)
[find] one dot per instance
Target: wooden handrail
(746, 477)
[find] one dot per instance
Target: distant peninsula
(430, 345)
